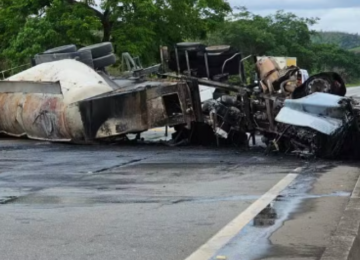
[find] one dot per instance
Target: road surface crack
(119, 165)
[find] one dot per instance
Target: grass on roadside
(357, 49)
(353, 84)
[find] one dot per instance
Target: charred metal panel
(161, 90)
(136, 109)
(196, 100)
(182, 91)
(157, 115)
(269, 111)
(114, 114)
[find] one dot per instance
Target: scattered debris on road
(267, 217)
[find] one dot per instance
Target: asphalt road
(154, 202)
(353, 91)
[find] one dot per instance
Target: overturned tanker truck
(67, 97)
(291, 114)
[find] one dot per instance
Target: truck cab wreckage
(67, 100)
(308, 117)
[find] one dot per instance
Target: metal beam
(209, 83)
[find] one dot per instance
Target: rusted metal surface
(19, 100)
(43, 117)
(11, 114)
(38, 116)
(136, 109)
(68, 101)
(113, 114)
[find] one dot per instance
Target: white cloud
(335, 19)
(294, 4)
(340, 19)
(335, 15)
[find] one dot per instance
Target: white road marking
(224, 236)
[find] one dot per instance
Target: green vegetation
(140, 26)
(356, 50)
(344, 40)
(285, 34)
(136, 26)
(353, 84)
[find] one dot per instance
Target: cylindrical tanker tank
(47, 116)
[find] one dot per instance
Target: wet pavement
(353, 91)
(153, 202)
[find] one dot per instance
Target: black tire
(86, 58)
(104, 61)
(99, 50)
(62, 49)
(335, 82)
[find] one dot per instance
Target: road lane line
(227, 233)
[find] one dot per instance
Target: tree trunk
(104, 17)
(107, 31)
(107, 25)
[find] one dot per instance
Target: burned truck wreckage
(67, 96)
(319, 124)
(64, 99)
(292, 114)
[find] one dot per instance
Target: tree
(340, 39)
(137, 26)
(30, 27)
(285, 34)
(329, 57)
(248, 32)
(282, 34)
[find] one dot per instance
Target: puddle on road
(103, 198)
(253, 242)
(300, 196)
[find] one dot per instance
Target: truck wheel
(62, 49)
(104, 61)
(99, 50)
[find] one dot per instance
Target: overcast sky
(335, 15)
